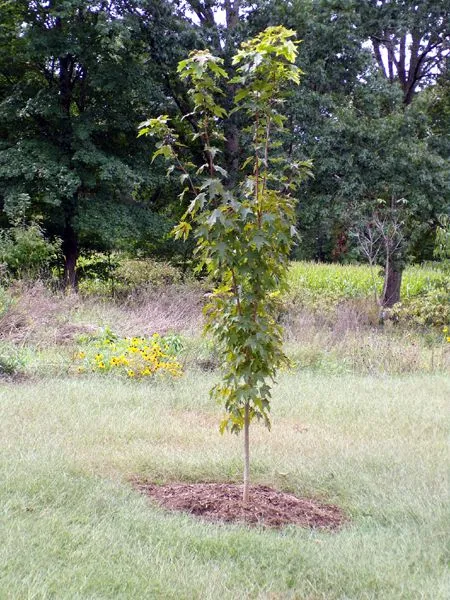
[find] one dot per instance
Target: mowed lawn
(73, 527)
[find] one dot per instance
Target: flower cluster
(135, 357)
(445, 332)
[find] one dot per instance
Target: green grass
(338, 282)
(72, 526)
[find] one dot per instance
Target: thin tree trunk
(392, 285)
(245, 493)
(70, 252)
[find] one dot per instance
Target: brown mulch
(222, 502)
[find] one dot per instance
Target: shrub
(97, 266)
(107, 275)
(430, 308)
(11, 360)
(136, 274)
(25, 252)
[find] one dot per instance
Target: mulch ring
(222, 502)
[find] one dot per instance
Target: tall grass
(73, 527)
(339, 282)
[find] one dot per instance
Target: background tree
(411, 48)
(355, 116)
(76, 77)
(410, 41)
(75, 83)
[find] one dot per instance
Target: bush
(107, 275)
(25, 252)
(430, 308)
(11, 360)
(133, 275)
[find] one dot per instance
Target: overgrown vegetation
(324, 288)
(324, 332)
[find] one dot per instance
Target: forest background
(78, 193)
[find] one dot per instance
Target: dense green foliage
(76, 78)
(25, 252)
(74, 85)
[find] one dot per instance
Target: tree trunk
(70, 252)
(392, 284)
(245, 492)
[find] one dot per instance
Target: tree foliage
(376, 132)
(77, 76)
(74, 84)
(245, 233)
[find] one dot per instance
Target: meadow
(360, 420)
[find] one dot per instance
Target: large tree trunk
(392, 284)
(70, 252)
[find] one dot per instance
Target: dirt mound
(223, 502)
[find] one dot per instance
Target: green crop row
(340, 282)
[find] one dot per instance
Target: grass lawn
(72, 526)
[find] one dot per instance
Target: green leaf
(181, 231)
(260, 241)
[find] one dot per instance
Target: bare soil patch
(222, 502)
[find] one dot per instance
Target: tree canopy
(77, 77)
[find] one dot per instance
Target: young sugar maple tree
(244, 234)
